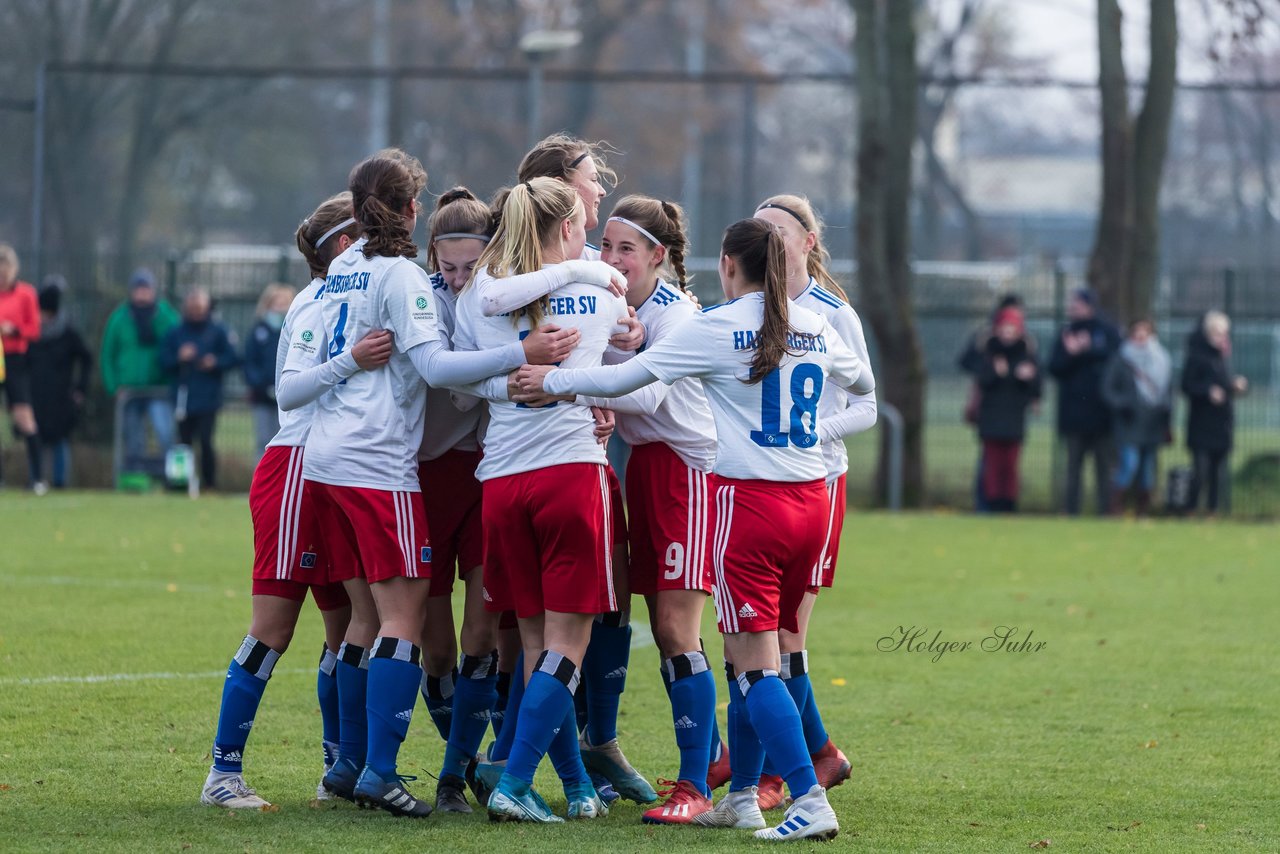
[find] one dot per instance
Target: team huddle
(453, 423)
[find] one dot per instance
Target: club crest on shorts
(308, 560)
(425, 556)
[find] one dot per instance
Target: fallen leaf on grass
(271, 808)
(1199, 827)
(1041, 843)
(186, 845)
(1150, 744)
(4, 787)
(1130, 826)
(839, 682)
(974, 824)
(172, 749)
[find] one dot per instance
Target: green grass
(1148, 721)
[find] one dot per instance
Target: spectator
(1209, 385)
(970, 361)
(1080, 355)
(19, 326)
(197, 353)
(131, 365)
(260, 362)
(1136, 385)
(1009, 381)
(60, 366)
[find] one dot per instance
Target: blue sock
(437, 693)
(693, 711)
(604, 674)
(547, 704)
(247, 677)
(746, 755)
(501, 748)
(327, 694)
(473, 698)
(565, 755)
(394, 678)
(352, 674)
(795, 675)
(777, 721)
(499, 712)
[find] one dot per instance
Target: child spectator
(1010, 383)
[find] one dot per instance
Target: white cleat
(736, 809)
(810, 816)
(230, 791)
(323, 794)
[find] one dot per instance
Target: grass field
(1149, 720)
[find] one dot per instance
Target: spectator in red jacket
(19, 326)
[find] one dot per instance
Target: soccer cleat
(390, 795)
(451, 794)
(831, 766)
(718, 772)
(809, 817)
(608, 794)
(341, 779)
(230, 791)
(584, 801)
(322, 794)
(736, 809)
(515, 800)
(607, 760)
(772, 792)
(483, 776)
(684, 803)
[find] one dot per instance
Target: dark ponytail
(381, 188)
(756, 247)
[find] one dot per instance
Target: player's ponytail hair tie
(331, 232)
(655, 241)
(785, 209)
(528, 188)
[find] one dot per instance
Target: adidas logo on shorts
(685, 723)
(406, 715)
(746, 612)
(619, 673)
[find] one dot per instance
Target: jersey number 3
(805, 389)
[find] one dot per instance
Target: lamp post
(537, 45)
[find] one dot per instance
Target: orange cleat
(772, 792)
(831, 766)
(683, 803)
(718, 772)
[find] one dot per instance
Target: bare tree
(884, 47)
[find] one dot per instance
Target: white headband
(457, 234)
(655, 241)
(331, 232)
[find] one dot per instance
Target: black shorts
(17, 379)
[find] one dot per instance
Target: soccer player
(287, 556)
(673, 445)
(763, 363)
(361, 458)
(546, 498)
(841, 413)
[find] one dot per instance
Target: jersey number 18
(805, 388)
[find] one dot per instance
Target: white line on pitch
(130, 677)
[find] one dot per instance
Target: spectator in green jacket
(131, 364)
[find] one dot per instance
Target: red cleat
(772, 792)
(682, 804)
(718, 772)
(831, 766)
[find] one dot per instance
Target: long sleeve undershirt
(296, 389)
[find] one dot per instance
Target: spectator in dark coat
(1080, 355)
(1010, 383)
(1210, 386)
(198, 352)
(1136, 385)
(260, 351)
(60, 366)
(971, 361)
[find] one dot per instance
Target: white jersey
(683, 420)
(304, 313)
(447, 428)
(519, 438)
(366, 431)
(767, 430)
(844, 320)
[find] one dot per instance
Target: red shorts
(287, 553)
(824, 571)
(546, 543)
(768, 536)
(372, 533)
(668, 531)
(451, 496)
(618, 529)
